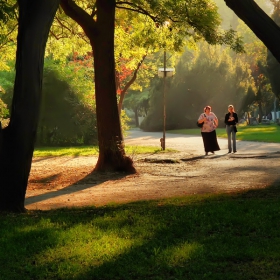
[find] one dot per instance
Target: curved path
(194, 145)
(69, 182)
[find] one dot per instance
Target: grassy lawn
(93, 150)
(221, 237)
(261, 133)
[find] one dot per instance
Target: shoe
(212, 152)
(234, 152)
(206, 153)
(229, 152)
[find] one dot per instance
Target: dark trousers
(210, 141)
(231, 134)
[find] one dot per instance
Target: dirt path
(68, 182)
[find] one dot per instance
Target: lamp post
(163, 73)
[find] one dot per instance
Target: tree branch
(80, 16)
(135, 8)
(130, 82)
(259, 22)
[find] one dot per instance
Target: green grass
(261, 133)
(217, 237)
(93, 150)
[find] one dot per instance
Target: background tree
(225, 80)
(137, 44)
(138, 102)
(98, 23)
(8, 32)
(264, 95)
(259, 22)
(247, 103)
(67, 113)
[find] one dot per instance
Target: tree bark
(111, 146)
(101, 35)
(259, 22)
(273, 66)
(18, 139)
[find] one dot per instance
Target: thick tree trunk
(273, 66)
(111, 146)
(259, 22)
(17, 143)
(101, 34)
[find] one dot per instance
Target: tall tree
(17, 140)
(101, 35)
(273, 66)
(259, 22)
(188, 19)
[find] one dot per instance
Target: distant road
(193, 144)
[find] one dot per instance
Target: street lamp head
(169, 72)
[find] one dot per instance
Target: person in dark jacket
(231, 119)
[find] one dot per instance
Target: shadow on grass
(232, 236)
(91, 180)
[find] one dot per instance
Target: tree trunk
(136, 117)
(260, 111)
(273, 66)
(259, 22)
(101, 35)
(17, 143)
(111, 146)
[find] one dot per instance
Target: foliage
(124, 122)
(138, 101)
(8, 33)
(68, 108)
(4, 112)
(7, 11)
(220, 236)
(193, 19)
(225, 81)
(255, 56)
(6, 85)
(137, 35)
(66, 39)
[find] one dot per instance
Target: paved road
(194, 145)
